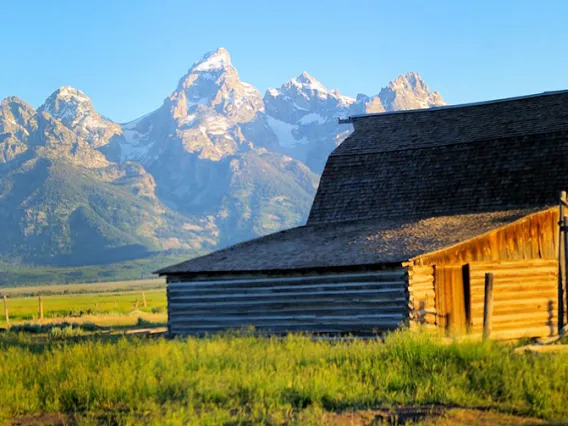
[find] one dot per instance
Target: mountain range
(215, 164)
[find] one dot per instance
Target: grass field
(105, 304)
(244, 379)
(90, 372)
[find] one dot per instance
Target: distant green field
(77, 305)
(105, 304)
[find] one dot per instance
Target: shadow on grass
(443, 415)
(435, 414)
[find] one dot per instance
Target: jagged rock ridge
(217, 163)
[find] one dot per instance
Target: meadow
(90, 372)
(106, 304)
(246, 379)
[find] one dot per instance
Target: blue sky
(128, 55)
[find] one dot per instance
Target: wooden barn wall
(534, 237)
(523, 257)
(524, 298)
(421, 294)
(357, 303)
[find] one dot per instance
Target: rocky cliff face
(63, 202)
(76, 112)
(409, 92)
(215, 164)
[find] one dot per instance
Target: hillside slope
(216, 164)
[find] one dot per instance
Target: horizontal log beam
(276, 303)
(396, 275)
(306, 294)
(379, 286)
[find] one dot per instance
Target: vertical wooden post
(6, 311)
(565, 289)
(136, 305)
(448, 324)
(41, 307)
(144, 300)
(562, 269)
(488, 307)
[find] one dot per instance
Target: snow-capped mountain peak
(213, 61)
(305, 100)
(66, 104)
(71, 94)
(76, 111)
(214, 84)
(306, 81)
(409, 91)
(206, 113)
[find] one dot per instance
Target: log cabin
(412, 210)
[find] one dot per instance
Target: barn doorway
(452, 298)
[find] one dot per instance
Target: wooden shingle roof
(452, 124)
(485, 157)
(347, 244)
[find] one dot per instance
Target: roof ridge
(447, 107)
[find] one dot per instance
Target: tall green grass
(246, 379)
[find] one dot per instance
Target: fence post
(488, 307)
(565, 310)
(144, 300)
(6, 311)
(41, 307)
(562, 270)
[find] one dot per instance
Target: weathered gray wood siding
(357, 303)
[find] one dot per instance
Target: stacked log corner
(421, 295)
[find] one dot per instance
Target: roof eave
(482, 235)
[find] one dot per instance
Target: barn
(413, 209)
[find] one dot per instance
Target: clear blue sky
(128, 55)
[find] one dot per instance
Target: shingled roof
(409, 183)
(484, 157)
(447, 125)
(348, 244)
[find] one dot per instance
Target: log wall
(523, 256)
(421, 294)
(524, 298)
(356, 303)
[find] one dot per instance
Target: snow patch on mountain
(134, 147)
(287, 134)
(311, 118)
